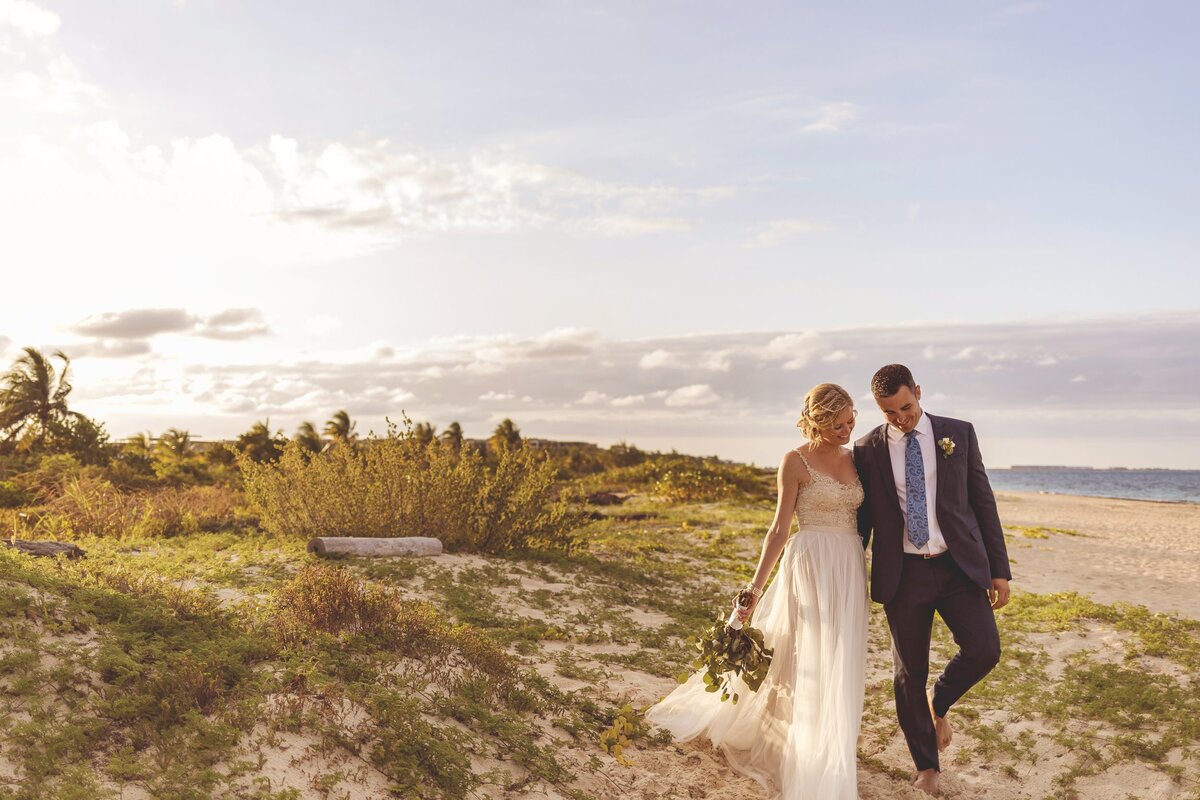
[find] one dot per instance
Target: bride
(797, 734)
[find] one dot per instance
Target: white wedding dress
(797, 735)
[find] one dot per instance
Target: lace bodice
(827, 501)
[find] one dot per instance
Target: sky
(652, 222)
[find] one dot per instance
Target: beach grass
(162, 666)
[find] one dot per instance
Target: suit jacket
(965, 508)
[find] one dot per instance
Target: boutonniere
(947, 446)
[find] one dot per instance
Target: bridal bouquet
(729, 647)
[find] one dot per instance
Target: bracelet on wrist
(754, 590)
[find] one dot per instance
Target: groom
(938, 547)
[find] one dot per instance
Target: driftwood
(370, 546)
(45, 548)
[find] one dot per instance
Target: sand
(1136, 551)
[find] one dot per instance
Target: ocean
(1132, 484)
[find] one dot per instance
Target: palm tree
(423, 433)
(174, 444)
(308, 438)
(34, 396)
(340, 428)
(453, 436)
(260, 444)
(507, 436)
(140, 444)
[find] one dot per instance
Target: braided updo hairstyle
(822, 404)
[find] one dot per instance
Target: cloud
(109, 348)
(233, 324)
(717, 360)
(145, 323)
(28, 19)
(138, 323)
(629, 400)
(591, 397)
(655, 359)
(797, 348)
(494, 396)
(376, 188)
(833, 117)
(617, 226)
(699, 394)
(134, 202)
(783, 229)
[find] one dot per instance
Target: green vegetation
(407, 483)
(1040, 532)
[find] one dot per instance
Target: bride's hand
(744, 612)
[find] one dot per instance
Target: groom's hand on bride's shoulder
(999, 593)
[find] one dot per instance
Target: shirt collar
(924, 427)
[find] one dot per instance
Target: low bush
(687, 479)
(330, 600)
(326, 600)
(395, 486)
(91, 505)
(11, 495)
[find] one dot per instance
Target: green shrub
(330, 600)
(693, 486)
(46, 481)
(11, 495)
(687, 479)
(393, 486)
(92, 505)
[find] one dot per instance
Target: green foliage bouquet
(728, 648)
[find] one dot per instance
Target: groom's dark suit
(955, 585)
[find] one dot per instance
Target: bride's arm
(789, 478)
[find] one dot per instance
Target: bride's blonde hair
(822, 404)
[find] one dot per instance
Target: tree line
(35, 419)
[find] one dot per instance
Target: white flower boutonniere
(947, 446)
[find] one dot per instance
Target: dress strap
(807, 466)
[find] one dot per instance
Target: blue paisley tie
(914, 490)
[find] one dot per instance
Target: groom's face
(903, 409)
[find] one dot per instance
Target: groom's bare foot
(927, 782)
(941, 725)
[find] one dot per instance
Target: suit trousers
(926, 586)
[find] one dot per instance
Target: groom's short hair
(889, 379)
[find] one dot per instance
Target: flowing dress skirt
(798, 734)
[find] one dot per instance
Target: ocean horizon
(1163, 485)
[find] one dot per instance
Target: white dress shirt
(896, 443)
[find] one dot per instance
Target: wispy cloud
(28, 19)
(126, 333)
(137, 323)
(834, 117)
(781, 230)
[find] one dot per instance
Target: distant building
(554, 445)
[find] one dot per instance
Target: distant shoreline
(1015, 493)
(1037, 468)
